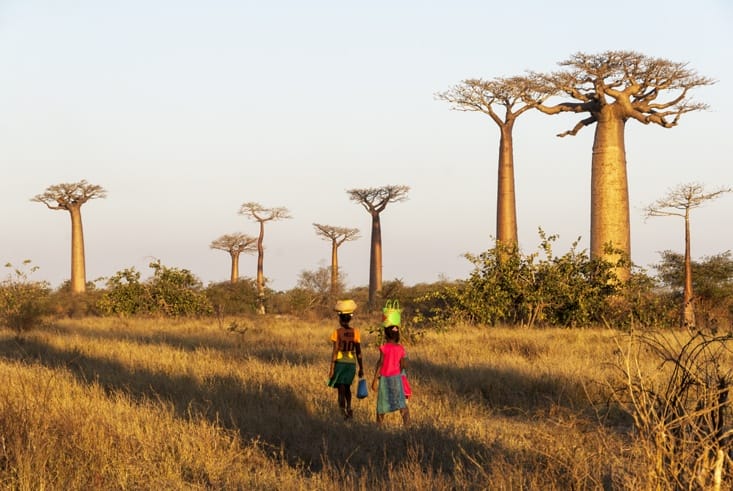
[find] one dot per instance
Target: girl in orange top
(345, 357)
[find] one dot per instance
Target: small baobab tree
(613, 87)
(260, 214)
(679, 202)
(71, 197)
(235, 244)
(503, 100)
(374, 201)
(337, 236)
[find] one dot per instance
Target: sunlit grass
(195, 404)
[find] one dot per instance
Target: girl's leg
(405, 416)
(342, 397)
(348, 413)
(380, 419)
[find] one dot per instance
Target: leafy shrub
(229, 298)
(507, 286)
(171, 291)
(177, 292)
(126, 295)
(23, 302)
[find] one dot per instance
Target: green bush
(507, 286)
(229, 298)
(171, 292)
(23, 302)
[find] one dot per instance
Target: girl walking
(345, 356)
(387, 380)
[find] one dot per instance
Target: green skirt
(343, 374)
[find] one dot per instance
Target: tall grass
(162, 404)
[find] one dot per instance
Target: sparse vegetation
(114, 403)
(23, 302)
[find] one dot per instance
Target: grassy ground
(162, 404)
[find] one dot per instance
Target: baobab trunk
(506, 210)
(235, 267)
(375, 260)
(688, 309)
(334, 268)
(260, 273)
(78, 268)
(609, 221)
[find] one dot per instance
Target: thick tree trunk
(78, 268)
(609, 222)
(235, 267)
(688, 309)
(506, 210)
(375, 260)
(260, 272)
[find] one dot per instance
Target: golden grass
(161, 404)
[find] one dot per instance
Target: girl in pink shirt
(388, 377)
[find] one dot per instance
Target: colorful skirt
(391, 394)
(343, 374)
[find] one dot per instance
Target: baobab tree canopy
(66, 196)
(375, 200)
(626, 84)
(263, 214)
(339, 235)
(235, 243)
(613, 87)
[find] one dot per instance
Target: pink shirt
(392, 353)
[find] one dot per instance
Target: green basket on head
(392, 313)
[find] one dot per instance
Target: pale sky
(183, 110)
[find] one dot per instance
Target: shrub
(229, 298)
(507, 286)
(23, 302)
(171, 292)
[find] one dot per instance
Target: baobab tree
(374, 201)
(259, 213)
(679, 202)
(235, 244)
(71, 197)
(337, 236)
(511, 96)
(613, 87)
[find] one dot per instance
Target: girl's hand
(374, 384)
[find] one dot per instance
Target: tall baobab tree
(511, 96)
(235, 244)
(337, 236)
(374, 201)
(678, 202)
(71, 197)
(259, 213)
(613, 87)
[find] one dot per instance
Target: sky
(183, 110)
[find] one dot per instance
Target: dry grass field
(123, 404)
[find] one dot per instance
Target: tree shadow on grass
(233, 345)
(278, 418)
(510, 392)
